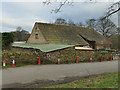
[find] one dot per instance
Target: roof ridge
(61, 25)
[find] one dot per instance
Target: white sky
(25, 14)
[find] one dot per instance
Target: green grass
(100, 81)
(18, 65)
(6, 66)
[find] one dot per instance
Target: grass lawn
(100, 81)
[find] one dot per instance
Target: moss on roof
(65, 34)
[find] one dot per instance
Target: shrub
(110, 50)
(7, 39)
(102, 49)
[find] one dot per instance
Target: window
(36, 36)
(36, 29)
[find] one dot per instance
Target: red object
(39, 62)
(101, 58)
(111, 58)
(76, 59)
(90, 58)
(3, 61)
(58, 60)
(13, 63)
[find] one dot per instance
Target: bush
(101, 49)
(7, 39)
(110, 50)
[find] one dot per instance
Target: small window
(36, 29)
(36, 36)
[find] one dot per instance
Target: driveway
(42, 75)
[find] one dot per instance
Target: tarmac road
(42, 75)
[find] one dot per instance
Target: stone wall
(40, 38)
(68, 55)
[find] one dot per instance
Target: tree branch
(112, 10)
(58, 10)
(111, 13)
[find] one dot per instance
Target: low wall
(68, 55)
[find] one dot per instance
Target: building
(81, 37)
(50, 41)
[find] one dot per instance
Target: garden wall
(68, 55)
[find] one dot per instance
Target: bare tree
(60, 21)
(114, 8)
(80, 24)
(62, 3)
(118, 30)
(65, 2)
(47, 2)
(71, 22)
(19, 28)
(91, 23)
(106, 27)
(20, 34)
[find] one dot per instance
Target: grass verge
(100, 81)
(18, 65)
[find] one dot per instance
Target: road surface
(41, 75)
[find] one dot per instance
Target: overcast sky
(25, 14)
